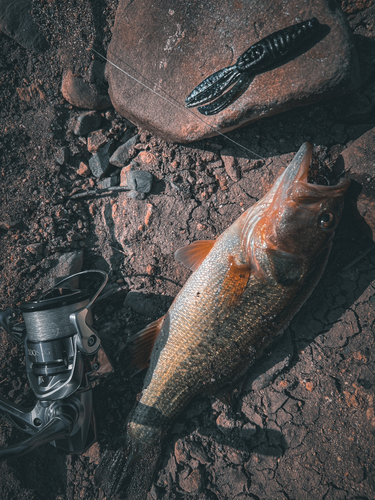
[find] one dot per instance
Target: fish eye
(327, 220)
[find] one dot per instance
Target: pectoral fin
(193, 255)
(143, 342)
(235, 282)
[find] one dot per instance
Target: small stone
(146, 158)
(140, 181)
(96, 140)
(137, 180)
(110, 115)
(83, 169)
(121, 156)
(230, 165)
(82, 94)
(61, 155)
(150, 270)
(135, 195)
(35, 248)
(108, 182)
(192, 483)
(310, 386)
(99, 162)
(180, 452)
(87, 122)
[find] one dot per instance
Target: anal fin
(193, 255)
(143, 342)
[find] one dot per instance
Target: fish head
(296, 224)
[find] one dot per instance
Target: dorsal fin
(143, 342)
(193, 255)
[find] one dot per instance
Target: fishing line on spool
(171, 100)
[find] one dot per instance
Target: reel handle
(57, 428)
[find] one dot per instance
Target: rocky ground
(305, 419)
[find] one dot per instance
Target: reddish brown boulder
(82, 94)
(172, 49)
(359, 161)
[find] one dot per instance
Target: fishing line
(168, 99)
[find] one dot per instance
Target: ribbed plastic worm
(271, 50)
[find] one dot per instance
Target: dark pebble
(87, 122)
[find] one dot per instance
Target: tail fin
(128, 472)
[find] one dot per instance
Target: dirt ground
(303, 425)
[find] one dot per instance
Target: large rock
(175, 48)
(359, 162)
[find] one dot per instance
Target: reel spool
(64, 361)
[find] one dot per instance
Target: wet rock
(16, 21)
(82, 94)
(121, 156)
(99, 162)
(181, 54)
(359, 160)
(87, 122)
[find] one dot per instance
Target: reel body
(64, 361)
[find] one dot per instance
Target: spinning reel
(64, 361)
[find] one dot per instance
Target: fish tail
(127, 472)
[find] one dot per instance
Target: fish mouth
(300, 181)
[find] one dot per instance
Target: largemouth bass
(245, 288)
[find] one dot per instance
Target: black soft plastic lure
(271, 50)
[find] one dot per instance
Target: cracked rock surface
(301, 424)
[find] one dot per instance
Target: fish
(245, 288)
